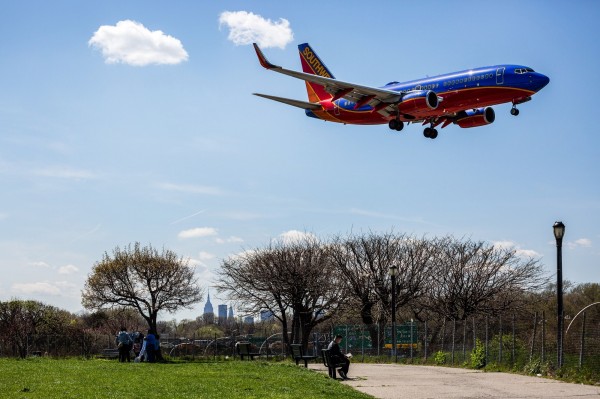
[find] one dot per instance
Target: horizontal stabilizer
(289, 101)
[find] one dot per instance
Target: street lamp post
(393, 271)
(559, 232)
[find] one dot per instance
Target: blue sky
(172, 149)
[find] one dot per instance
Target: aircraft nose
(540, 81)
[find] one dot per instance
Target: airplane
(462, 98)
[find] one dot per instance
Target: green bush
(521, 351)
(537, 367)
(478, 355)
(440, 358)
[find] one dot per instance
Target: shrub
(478, 355)
(440, 358)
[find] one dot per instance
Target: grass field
(74, 378)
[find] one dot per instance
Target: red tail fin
(311, 63)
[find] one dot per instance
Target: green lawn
(73, 378)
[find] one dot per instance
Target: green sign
(357, 336)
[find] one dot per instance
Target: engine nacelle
(477, 117)
(418, 101)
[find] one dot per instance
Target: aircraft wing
(361, 95)
(289, 101)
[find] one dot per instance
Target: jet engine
(476, 117)
(417, 101)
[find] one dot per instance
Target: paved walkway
(391, 381)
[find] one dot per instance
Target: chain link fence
(512, 340)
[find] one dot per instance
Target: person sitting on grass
(337, 357)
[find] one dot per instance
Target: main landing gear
(396, 124)
(430, 133)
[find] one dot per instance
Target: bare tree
(365, 261)
(478, 278)
(284, 278)
(143, 279)
(250, 279)
(109, 321)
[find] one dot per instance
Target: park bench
(244, 349)
(329, 363)
(298, 354)
(109, 353)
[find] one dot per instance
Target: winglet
(262, 59)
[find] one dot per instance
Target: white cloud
(504, 244)
(231, 239)
(36, 288)
(68, 269)
(198, 266)
(294, 236)
(243, 254)
(527, 253)
(580, 243)
(247, 28)
(509, 245)
(198, 232)
(130, 42)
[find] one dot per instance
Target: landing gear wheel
(430, 133)
(396, 124)
(514, 111)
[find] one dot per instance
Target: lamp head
(393, 270)
(559, 230)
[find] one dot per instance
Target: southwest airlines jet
(463, 98)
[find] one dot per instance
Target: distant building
(222, 314)
(209, 314)
(266, 315)
(230, 316)
(249, 320)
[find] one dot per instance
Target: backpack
(123, 338)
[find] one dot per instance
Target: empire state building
(209, 314)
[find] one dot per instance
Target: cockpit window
(521, 71)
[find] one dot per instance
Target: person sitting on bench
(338, 357)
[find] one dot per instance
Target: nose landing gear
(514, 111)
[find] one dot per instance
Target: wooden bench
(243, 349)
(298, 354)
(331, 366)
(110, 353)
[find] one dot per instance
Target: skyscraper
(222, 314)
(209, 314)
